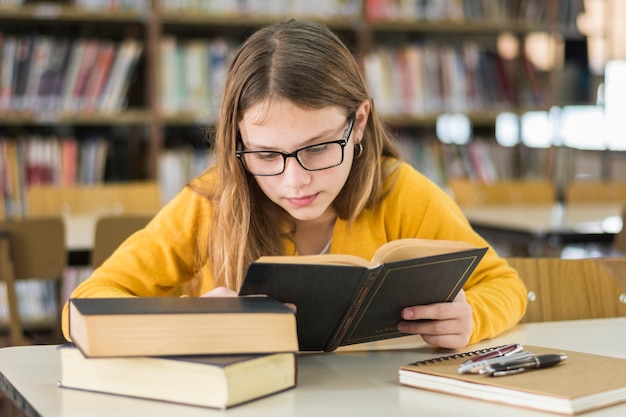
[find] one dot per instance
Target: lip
(302, 201)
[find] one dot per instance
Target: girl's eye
(314, 150)
(266, 156)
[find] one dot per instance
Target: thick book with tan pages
(158, 326)
(581, 383)
(344, 299)
(217, 381)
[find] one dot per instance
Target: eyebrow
(310, 141)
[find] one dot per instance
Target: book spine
(348, 318)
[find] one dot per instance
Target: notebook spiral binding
(455, 356)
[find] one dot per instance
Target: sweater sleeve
(156, 260)
(495, 292)
(415, 207)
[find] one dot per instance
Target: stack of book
(210, 352)
(157, 347)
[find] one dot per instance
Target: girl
(304, 166)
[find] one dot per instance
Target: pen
(494, 353)
(478, 367)
(520, 365)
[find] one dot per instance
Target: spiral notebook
(581, 383)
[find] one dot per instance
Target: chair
(572, 289)
(595, 191)
(111, 231)
(619, 241)
(31, 249)
(470, 193)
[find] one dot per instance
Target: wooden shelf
(455, 27)
(242, 21)
(188, 119)
(477, 118)
(60, 13)
(128, 117)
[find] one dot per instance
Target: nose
(294, 175)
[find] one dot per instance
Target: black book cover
(339, 305)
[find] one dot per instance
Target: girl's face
(284, 127)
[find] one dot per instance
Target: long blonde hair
(307, 64)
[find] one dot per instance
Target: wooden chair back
(595, 191)
(468, 193)
(111, 231)
(619, 241)
(126, 198)
(31, 249)
(573, 289)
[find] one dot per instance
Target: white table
(80, 231)
(332, 384)
(543, 226)
(583, 219)
(80, 235)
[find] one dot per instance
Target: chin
(306, 214)
(303, 217)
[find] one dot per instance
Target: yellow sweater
(156, 260)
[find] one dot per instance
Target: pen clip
(508, 372)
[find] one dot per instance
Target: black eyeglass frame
(342, 142)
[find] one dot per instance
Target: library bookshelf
(150, 118)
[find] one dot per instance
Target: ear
(362, 114)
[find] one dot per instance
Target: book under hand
(581, 383)
(218, 381)
(158, 326)
(344, 299)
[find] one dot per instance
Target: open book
(345, 299)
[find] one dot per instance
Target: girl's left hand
(220, 292)
(446, 325)
(226, 292)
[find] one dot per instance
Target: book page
(326, 259)
(401, 249)
(395, 250)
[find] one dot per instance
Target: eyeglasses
(312, 158)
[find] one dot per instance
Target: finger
(429, 327)
(438, 311)
(448, 341)
(437, 333)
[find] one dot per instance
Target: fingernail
(408, 314)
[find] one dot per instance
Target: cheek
(266, 184)
(337, 177)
